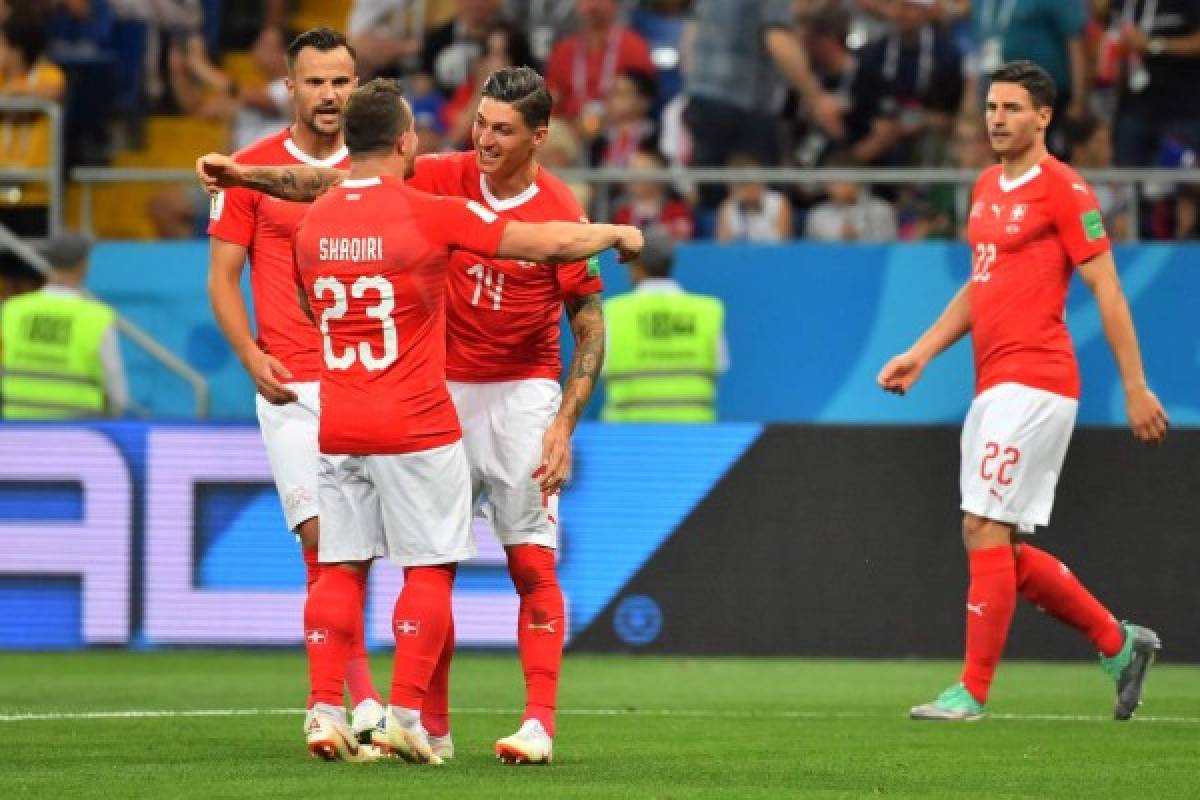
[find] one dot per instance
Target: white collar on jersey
(304, 158)
(510, 203)
(1016, 183)
(361, 183)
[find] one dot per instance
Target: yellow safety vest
(661, 364)
(50, 365)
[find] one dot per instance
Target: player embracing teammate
(503, 362)
(372, 257)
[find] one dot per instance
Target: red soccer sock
(420, 623)
(991, 600)
(312, 567)
(358, 669)
(1047, 583)
(540, 628)
(435, 712)
(332, 611)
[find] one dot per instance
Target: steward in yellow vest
(666, 347)
(58, 348)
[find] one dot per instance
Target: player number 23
(381, 311)
(985, 257)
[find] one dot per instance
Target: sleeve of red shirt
(636, 53)
(426, 171)
(231, 216)
(463, 224)
(1077, 217)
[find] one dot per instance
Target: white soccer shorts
(290, 435)
(503, 424)
(414, 508)
(1014, 442)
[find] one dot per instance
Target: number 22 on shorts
(998, 463)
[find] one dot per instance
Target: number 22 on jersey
(985, 257)
(382, 311)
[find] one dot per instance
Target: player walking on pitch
(284, 360)
(1033, 221)
(372, 256)
(503, 363)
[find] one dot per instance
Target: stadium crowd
(645, 83)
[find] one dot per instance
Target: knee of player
(531, 567)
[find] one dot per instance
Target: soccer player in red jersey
(503, 363)
(1033, 222)
(372, 256)
(284, 359)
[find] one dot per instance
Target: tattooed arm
(587, 323)
(302, 184)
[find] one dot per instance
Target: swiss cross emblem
(1018, 213)
(317, 636)
(408, 627)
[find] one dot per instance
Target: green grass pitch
(630, 727)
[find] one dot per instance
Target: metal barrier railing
(52, 173)
(148, 343)
(1128, 178)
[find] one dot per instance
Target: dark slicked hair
(376, 115)
(321, 39)
(1031, 78)
(524, 90)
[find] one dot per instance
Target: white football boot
(406, 737)
(529, 745)
(365, 718)
(329, 738)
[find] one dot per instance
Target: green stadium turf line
(51, 716)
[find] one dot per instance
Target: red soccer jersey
(265, 225)
(372, 257)
(1026, 237)
(503, 316)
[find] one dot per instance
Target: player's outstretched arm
(1147, 417)
(586, 314)
(299, 183)
(226, 261)
(560, 242)
(901, 372)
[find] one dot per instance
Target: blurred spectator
(561, 150)
(175, 31)
(1160, 93)
(650, 205)
(450, 50)
(661, 23)
(59, 354)
(504, 45)
(850, 214)
(253, 111)
(1091, 148)
(752, 212)
(427, 118)
(948, 203)
(583, 67)
(242, 24)
(545, 21)
(860, 93)
(666, 347)
(384, 35)
(922, 76)
(627, 120)
(1046, 32)
(736, 56)
(25, 137)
